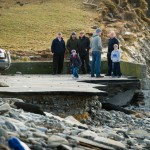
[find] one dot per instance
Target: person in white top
(115, 57)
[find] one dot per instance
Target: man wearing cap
(58, 50)
(112, 40)
(83, 47)
(72, 42)
(96, 46)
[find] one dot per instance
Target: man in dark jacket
(113, 40)
(58, 50)
(83, 47)
(72, 42)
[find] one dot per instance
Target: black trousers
(116, 69)
(58, 60)
(85, 61)
(109, 64)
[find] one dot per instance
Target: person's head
(59, 35)
(82, 34)
(73, 52)
(73, 35)
(98, 31)
(112, 34)
(115, 46)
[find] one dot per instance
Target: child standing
(75, 63)
(115, 57)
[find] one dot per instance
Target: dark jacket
(111, 43)
(83, 45)
(71, 44)
(58, 47)
(75, 61)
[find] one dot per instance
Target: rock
(115, 137)
(4, 108)
(55, 141)
(19, 73)
(141, 134)
(29, 107)
(128, 36)
(11, 126)
(88, 134)
(41, 135)
(64, 147)
(13, 134)
(131, 142)
(3, 133)
(42, 129)
(89, 143)
(34, 140)
(12, 100)
(146, 141)
(73, 121)
(109, 142)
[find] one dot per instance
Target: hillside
(33, 25)
(27, 27)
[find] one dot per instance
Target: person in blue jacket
(75, 63)
(58, 49)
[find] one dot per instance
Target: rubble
(103, 129)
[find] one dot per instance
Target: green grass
(34, 25)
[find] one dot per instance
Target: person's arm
(117, 42)
(77, 50)
(64, 47)
(68, 45)
(88, 44)
(53, 46)
(99, 43)
(111, 55)
(119, 55)
(70, 60)
(79, 60)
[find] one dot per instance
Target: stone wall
(130, 69)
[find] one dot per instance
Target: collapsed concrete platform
(61, 93)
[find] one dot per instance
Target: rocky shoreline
(112, 130)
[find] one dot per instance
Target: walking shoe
(100, 76)
(92, 76)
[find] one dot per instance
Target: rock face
(103, 130)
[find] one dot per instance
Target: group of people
(78, 49)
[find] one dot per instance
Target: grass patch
(33, 26)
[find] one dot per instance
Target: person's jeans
(75, 71)
(116, 69)
(96, 62)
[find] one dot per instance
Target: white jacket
(115, 55)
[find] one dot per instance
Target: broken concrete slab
(115, 144)
(122, 98)
(89, 143)
(48, 84)
(2, 84)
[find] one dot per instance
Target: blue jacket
(58, 47)
(75, 61)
